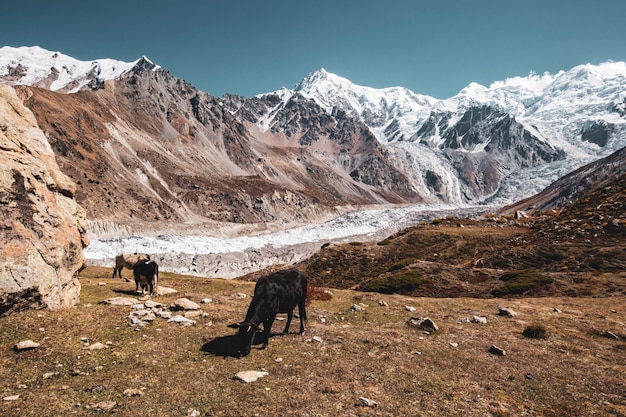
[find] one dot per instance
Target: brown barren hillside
(578, 250)
(92, 361)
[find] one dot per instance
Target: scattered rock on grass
(368, 402)
(505, 311)
(12, 398)
(183, 321)
(103, 406)
(495, 350)
(426, 324)
(164, 290)
(26, 345)
(121, 301)
(95, 346)
(479, 319)
(133, 392)
(184, 304)
(250, 376)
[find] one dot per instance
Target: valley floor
(346, 356)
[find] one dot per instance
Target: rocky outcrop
(598, 132)
(42, 228)
(576, 186)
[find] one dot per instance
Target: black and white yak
(279, 292)
(128, 260)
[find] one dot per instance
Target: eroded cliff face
(42, 227)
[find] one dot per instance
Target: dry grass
(575, 371)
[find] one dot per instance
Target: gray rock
(152, 304)
(164, 290)
(95, 346)
(250, 376)
(184, 304)
(183, 321)
(164, 314)
(495, 350)
(121, 301)
(479, 319)
(426, 324)
(367, 402)
(11, 398)
(133, 392)
(505, 311)
(26, 344)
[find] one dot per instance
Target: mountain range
(145, 147)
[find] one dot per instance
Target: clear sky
(247, 47)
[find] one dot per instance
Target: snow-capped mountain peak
(373, 106)
(58, 72)
(575, 115)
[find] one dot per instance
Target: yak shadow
(128, 292)
(225, 346)
(228, 346)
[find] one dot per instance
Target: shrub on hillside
(317, 293)
(401, 282)
(535, 331)
(401, 264)
(519, 282)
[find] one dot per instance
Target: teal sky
(249, 47)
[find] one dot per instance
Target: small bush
(317, 293)
(355, 243)
(384, 242)
(535, 331)
(401, 264)
(519, 282)
(402, 282)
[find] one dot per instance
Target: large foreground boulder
(42, 228)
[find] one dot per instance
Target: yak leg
(267, 328)
(302, 313)
(117, 269)
(289, 317)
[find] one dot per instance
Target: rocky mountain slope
(576, 186)
(489, 143)
(148, 149)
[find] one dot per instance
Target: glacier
(230, 257)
